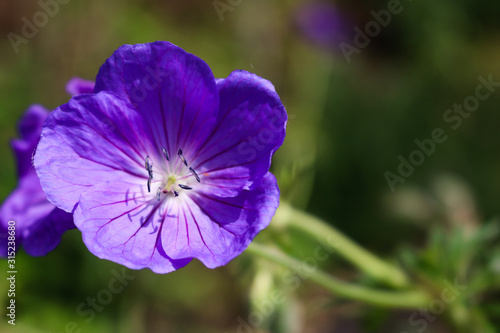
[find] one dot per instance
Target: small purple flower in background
(323, 24)
(39, 223)
(182, 173)
(77, 86)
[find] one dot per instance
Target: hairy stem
(395, 299)
(287, 216)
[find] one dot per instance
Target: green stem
(404, 299)
(335, 240)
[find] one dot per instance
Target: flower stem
(402, 299)
(335, 240)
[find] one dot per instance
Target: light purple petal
(39, 224)
(92, 139)
(250, 128)
(120, 223)
(77, 86)
(173, 90)
(123, 224)
(219, 229)
(25, 205)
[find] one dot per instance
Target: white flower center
(170, 182)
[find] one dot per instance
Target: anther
(149, 184)
(165, 153)
(158, 193)
(194, 174)
(182, 157)
(176, 194)
(149, 167)
(185, 187)
(150, 170)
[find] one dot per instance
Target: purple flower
(78, 86)
(39, 224)
(323, 24)
(164, 163)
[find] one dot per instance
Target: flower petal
(39, 224)
(78, 86)
(122, 224)
(252, 115)
(174, 91)
(30, 128)
(45, 234)
(92, 139)
(26, 203)
(214, 229)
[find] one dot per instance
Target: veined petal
(92, 139)
(253, 117)
(173, 90)
(215, 229)
(120, 222)
(227, 182)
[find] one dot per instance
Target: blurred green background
(348, 123)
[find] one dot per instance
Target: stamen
(150, 170)
(182, 157)
(149, 167)
(165, 153)
(194, 174)
(171, 181)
